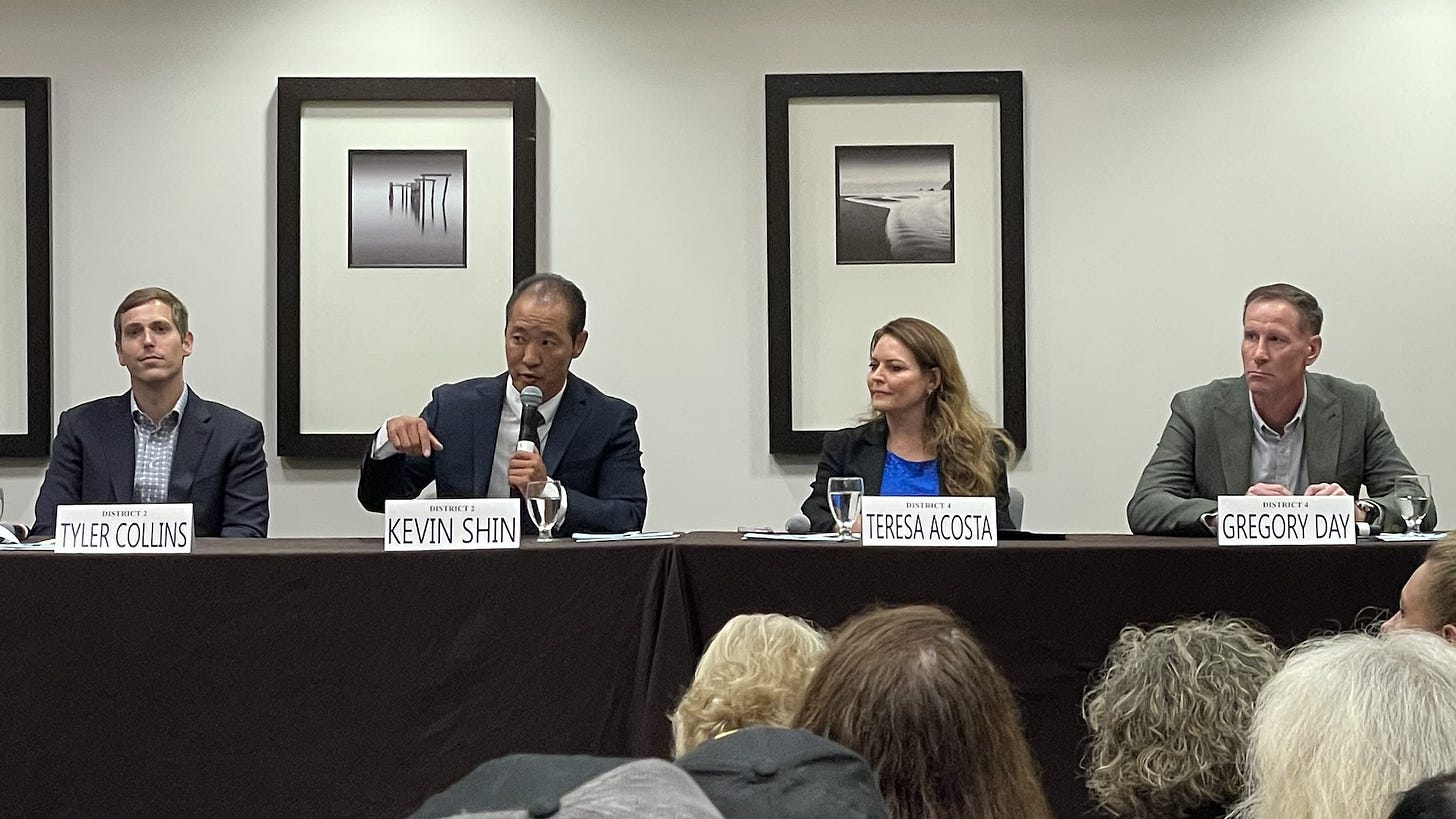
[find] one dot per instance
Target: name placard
(927, 521)
(124, 528)
(1259, 520)
(479, 523)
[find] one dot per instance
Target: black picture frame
(780, 90)
(293, 94)
(34, 93)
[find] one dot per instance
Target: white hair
(1350, 722)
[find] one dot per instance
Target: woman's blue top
(902, 477)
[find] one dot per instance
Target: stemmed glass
(546, 501)
(844, 497)
(1413, 499)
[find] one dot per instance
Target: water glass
(546, 501)
(844, 497)
(1413, 499)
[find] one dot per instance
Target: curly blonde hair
(753, 672)
(1169, 715)
(971, 451)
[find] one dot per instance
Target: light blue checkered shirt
(155, 444)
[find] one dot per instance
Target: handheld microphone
(797, 524)
(530, 419)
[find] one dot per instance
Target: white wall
(1177, 155)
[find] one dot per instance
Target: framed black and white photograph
(406, 214)
(893, 204)
(891, 195)
(25, 267)
(407, 208)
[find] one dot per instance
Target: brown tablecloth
(328, 678)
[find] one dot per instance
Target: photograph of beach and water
(406, 208)
(894, 204)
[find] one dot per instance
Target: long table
(327, 678)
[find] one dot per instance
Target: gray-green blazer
(1205, 452)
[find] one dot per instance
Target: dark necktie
(531, 420)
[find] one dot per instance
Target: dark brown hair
(917, 696)
(137, 298)
(1311, 317)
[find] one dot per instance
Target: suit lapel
(1322, 424)
(1235, 427)
(486, 430)
(119, 446)
(193, 434)
(569, 415)
(870, 460)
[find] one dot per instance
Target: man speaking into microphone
(470, 439)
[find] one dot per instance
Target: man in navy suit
(466, 439)
(160, 442)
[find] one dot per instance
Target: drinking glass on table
(844, 497)
(546, 501)
(1413, 499)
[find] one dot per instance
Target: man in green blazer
(1277, 430)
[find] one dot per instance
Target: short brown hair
(913, 692)
(1442, 592)
(1311, 317)
(137, 298)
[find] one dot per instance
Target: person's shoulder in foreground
(195, 451)
(1278, 429)
(478, 438)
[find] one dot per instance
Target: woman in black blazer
(925, 435)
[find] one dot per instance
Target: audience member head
(522, 786)
(1434, 798)
(763, 772)
(1348, 723)
(913, 692)
(1169, 716)
(1428, 601)
(753, 672)
(914, 372)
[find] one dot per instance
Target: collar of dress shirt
(547, 408)
(179, 408)
(1267, 431)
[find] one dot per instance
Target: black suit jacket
(218, 466)
(593, 449)
(860, 451)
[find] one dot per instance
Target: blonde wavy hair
(1350, 722)
(753, 672)
(1169, 715)
(968, 447)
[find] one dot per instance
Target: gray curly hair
(1169, 715)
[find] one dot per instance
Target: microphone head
(797, 524)
(531, 396)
